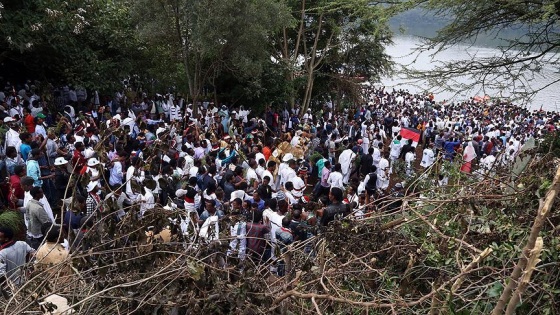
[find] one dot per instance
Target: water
(403, 53)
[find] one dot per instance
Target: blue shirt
(24, 149)
(34, 171)
(260, 204)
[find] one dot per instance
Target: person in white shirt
(273, 219)
(27, 184)
(428, 156)
(287, 173)
(345, 160)
(269, 172)
(288, 192)
(295, 140)
(409, 159)
(40, 127)
(116, 173)
(396, 147)
(377, 154)
(251, 175)
(487, 163)
(12, 136)
(383, 173)
(147, 201)
(261, 168)
(133, 174)
(335, 177)
(299, 182)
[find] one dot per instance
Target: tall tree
(209, 37)
(521, 58)
(339, 29)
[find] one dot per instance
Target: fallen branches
(375, 305)
(540, 220)
(531, 264)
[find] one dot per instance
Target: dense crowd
(282, 176)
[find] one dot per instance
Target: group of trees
(241, 51)
(263, 51)
(88, 43)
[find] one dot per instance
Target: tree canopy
(88, 43)
(239, 51)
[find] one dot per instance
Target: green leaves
(495, 290)
(88, 43)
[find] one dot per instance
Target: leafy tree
(210, 38)
(89, 43)
(346, 37)
(521, 58)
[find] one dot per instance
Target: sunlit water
(403, 53)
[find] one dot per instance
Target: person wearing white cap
(93, 201)
(93, 169)
(61, 177)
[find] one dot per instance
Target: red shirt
(266, 152)
(78, 161)
(29, 122)
(256, 243)
(15, 192)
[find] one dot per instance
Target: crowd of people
(282, 175)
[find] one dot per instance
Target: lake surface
(403, 53)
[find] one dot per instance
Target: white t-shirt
(287, 175)
(428, 158)
(335, 180)
(251, 175)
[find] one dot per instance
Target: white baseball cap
(8, 119)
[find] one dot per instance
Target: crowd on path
(98, 157)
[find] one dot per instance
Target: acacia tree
(208, 38)
(521, 59)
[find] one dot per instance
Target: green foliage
(210, 40)
(332, 46)
(13, 220)
(87, 43)
(550, 144)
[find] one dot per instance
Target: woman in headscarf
(468, 155)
